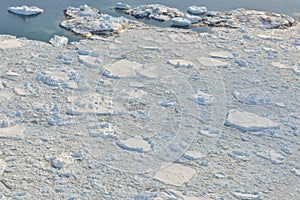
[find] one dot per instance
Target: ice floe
(193, 155)
(87, 21)
(175, 174)
(137, 144)
(197, 10)
(59, 41)
(244, 195)
(221, 54)
(211, 62)
(10, 43)
(155, 11)
(246, 121)
(122, 6)
(25, 10)
(122, 68)
(192, 18)
(180, 22)
(16, 131)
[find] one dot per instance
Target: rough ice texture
(25, 10)
(87, 21)
(155, 11)
(247, 121)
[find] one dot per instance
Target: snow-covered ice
(246, 121)
(135, 144)
(180, 22)
(155, 11)
(25, 10)
(197, 10)
(175, 174)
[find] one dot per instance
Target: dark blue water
(44, 26)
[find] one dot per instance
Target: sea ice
(180, 22)
(240, 155)
(15, 131)
(89, 60)
(122, 68)
(196, 10)
(181, 63)
(211, 62)
(10, 43)
(279, 65)
(25, 10)
(59, 41)
(204, 99)
(155, 11)
(136, 143)
(2, 166)
(246, 195)
(87, 21)
(175, 174)
(296, 171)
(221, 54)
(193, 155)
(246, 121)
(193, 18)
(122, 6)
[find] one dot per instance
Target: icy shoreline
(152, 113)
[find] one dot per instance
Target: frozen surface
(152, 113)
